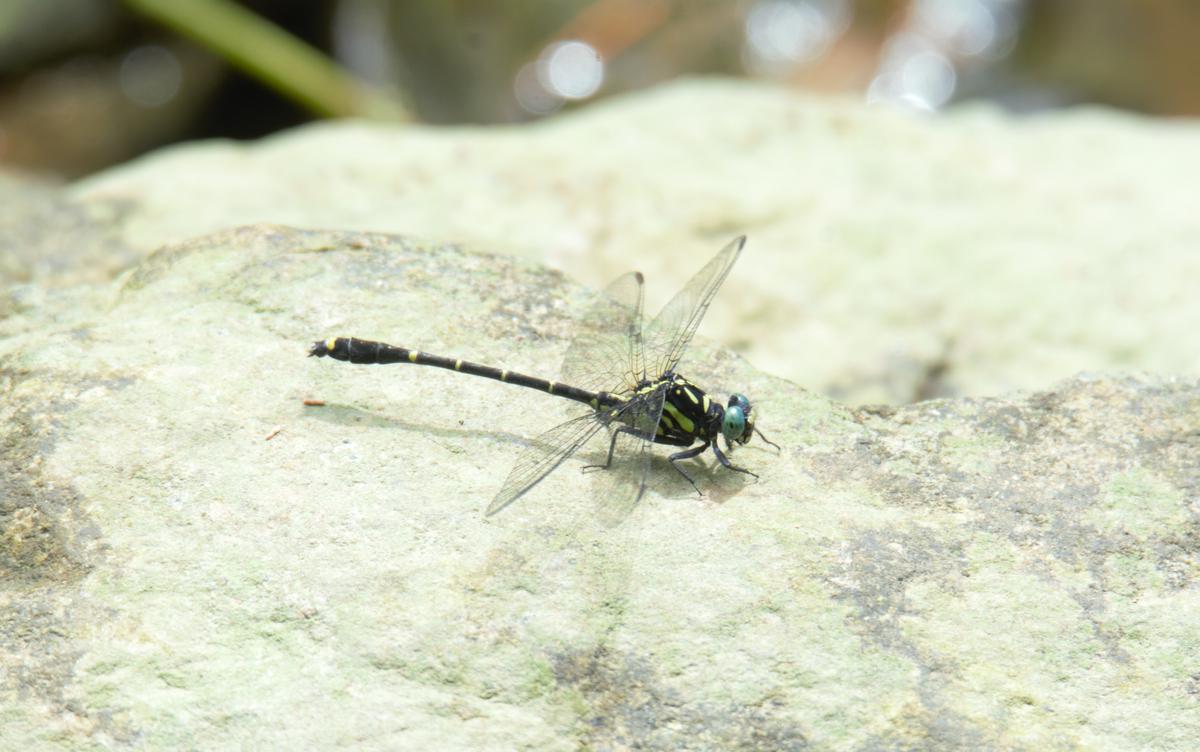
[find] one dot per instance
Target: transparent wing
(624, 482)
(668, 336)
(545, 453)
(606, 351)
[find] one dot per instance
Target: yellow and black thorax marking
(688, 414)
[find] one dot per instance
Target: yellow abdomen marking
(329, 343)
(413, 355)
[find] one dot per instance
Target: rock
(193, 557)
(891, 258)
(53, 241)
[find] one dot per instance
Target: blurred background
(85, 84)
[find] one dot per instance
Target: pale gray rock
(892, 258)
(52, 240)
(192, 558)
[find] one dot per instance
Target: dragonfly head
(737, 425)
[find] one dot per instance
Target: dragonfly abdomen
(368, 352)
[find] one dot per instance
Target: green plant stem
(273, 56)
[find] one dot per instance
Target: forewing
(543, 454)
(668, 336)
(605, 353)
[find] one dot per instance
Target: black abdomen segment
(366, 352)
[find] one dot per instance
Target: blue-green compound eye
(740, 401)
(734, 424)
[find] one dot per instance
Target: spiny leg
(612, 446)
(687, 454)
(725, 461)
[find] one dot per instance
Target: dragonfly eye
(741, 402)
(733, 427)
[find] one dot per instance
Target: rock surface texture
(191, 557)
(891, 258)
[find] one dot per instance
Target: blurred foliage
(88, 83)
(1138, 54)
(278, 59)
(35, 31)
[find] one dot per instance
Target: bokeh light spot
(531, 95)
(150, 75)
(571, 69)
(781, 34)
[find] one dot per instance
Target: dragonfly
(624, 371)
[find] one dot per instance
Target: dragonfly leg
(687, 454)
(765, 439)
(612, 445)
(725, 461)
